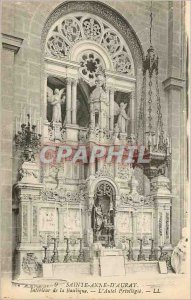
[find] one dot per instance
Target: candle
(24, 115)
(16, 125)
(34, 116)
(40, 125)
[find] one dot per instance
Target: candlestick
(141, 222)
(67, 221)
(80, 220)
(55, 220)
(152, 225)
(16, 129)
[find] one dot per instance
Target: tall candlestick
(80, 208)
(67, 222)
(16, 129)
(152, 225)
(55, 220)
(141, 221)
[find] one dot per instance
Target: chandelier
(150, 125)
(28, 140)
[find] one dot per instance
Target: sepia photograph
(95, 149)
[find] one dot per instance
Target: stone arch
(96, 182)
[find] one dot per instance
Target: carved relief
(25, 221)
(30, 264)
(105, 171)
(35, 226)
(124, 172)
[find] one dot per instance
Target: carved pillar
(68, 100)
(162, 199)
(134, 223)
(74, 101)
(132, 112)
(10, 47)
(111, 106)
(45, 97)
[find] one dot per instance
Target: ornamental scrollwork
(105, 171)
(135, 200)
(69, 30)
(124, 172)
(62, 195)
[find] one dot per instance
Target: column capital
(74, 81)
(69, 80)
(111, 89)
(173, 83)
(11, 43)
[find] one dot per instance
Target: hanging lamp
(150, 127)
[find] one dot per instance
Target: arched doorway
(103, 214)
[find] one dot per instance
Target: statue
(97, 219)
(56, 98)
(123, 118)
(99, 93)
(179, 258)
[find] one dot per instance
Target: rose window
(90, 63)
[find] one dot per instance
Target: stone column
(68, 100)
(10, 46)
(132, 112)
(74, 101)
(111, 110)
(176, 98)
(162, 200)
(45, 98)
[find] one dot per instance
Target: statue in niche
(99, 93)
(56, 98)
(123, 118)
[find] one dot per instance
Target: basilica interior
(98, 87)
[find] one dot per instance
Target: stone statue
(56, 98)
(179, 258)
(99, 93)
(123, 118)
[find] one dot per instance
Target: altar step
(141, 267)
(106, 266)
(62, 270)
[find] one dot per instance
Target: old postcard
(95, 149)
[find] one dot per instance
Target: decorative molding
(11, 42)
(62, 195)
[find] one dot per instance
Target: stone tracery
(65, 33)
